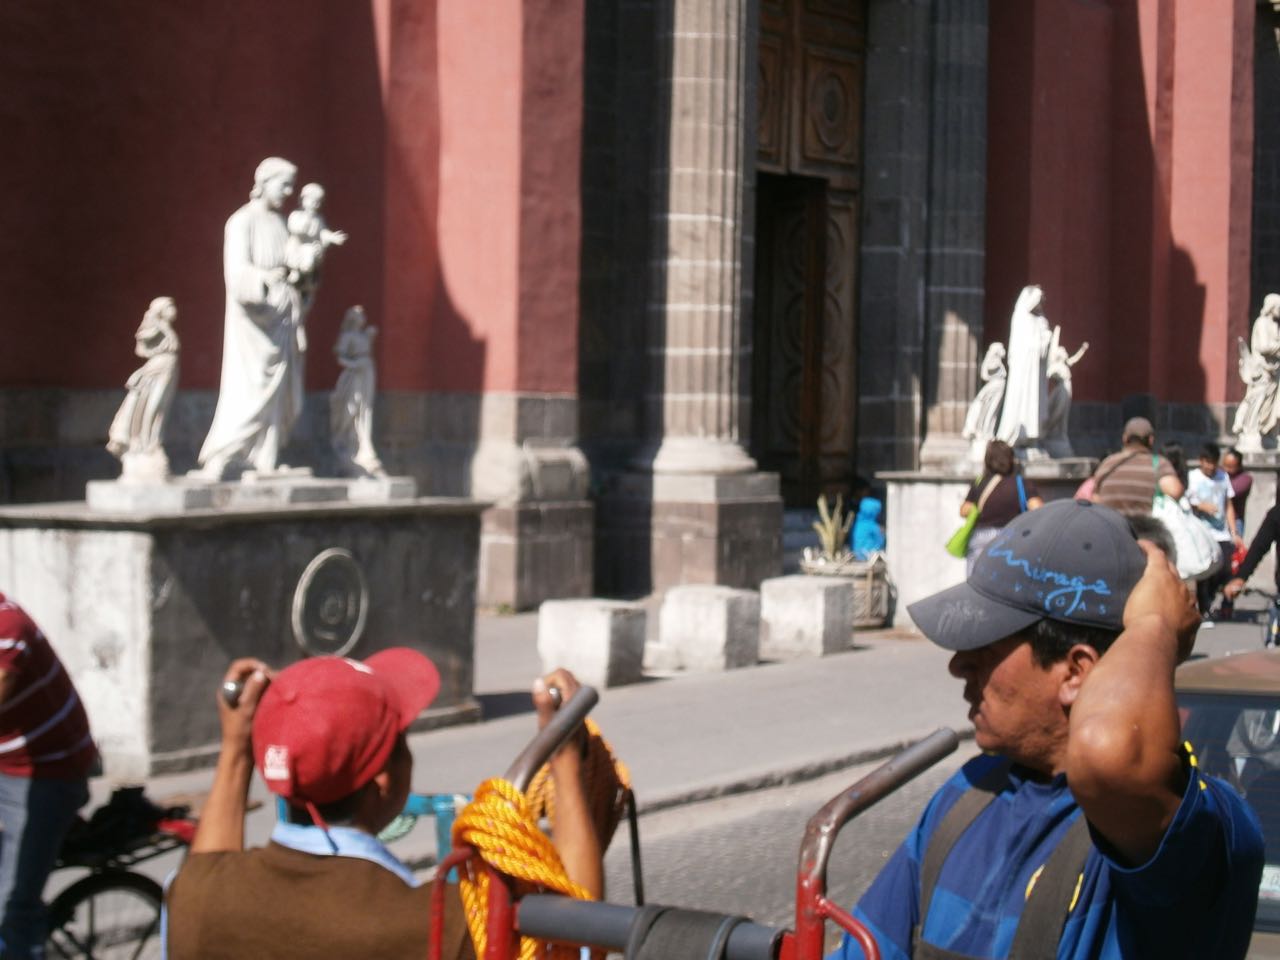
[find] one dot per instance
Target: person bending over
(1085, 829)
(328, 735)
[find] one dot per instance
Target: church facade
(645, 272)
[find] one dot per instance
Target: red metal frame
(813, 908)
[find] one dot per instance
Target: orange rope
(605, 782)
(500, 827)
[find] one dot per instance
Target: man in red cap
(328, 735)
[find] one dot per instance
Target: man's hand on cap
(253, 676)
(1161, 593)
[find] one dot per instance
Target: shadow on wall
(1083, 156)
(621, 375)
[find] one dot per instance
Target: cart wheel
(113, 915)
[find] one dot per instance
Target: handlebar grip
(551, 737)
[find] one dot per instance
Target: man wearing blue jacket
(1085, 829)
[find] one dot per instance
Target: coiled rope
(606, 782)
(500, 825)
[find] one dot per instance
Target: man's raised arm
(1124, 763)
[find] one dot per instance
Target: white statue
(1053, 431)
(263, 343)
(1259, 365)
(309, 238)
(351, 405)
(137, 432)
(1026, 393)
(980, 421)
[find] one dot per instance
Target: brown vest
(273, 902)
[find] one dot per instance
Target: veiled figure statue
(351, 404)
(1026, 393)
(1054, 429)
(1259, 365)
(138, 426)
(263, 343)
(980, 420)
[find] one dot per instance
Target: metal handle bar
(551, 737)
(820, 833)
(812, 906)
(552, 917)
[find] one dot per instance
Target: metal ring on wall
(330, 604)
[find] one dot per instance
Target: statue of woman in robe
(1026, 392)
(351, 404)
(980, 420)
(1054, 435)
(138, 427)
(1258, 413)
(263, 342)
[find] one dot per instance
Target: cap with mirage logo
(1071, 561)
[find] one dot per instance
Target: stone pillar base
(535, 551)
(716, 528)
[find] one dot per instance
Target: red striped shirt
(43, 728)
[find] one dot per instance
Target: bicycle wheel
(113, 915)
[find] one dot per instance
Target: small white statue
(137, 432)
(1053, 431)
(1026, 395)
(351, 405)
(263, 343)
(309, 238)
(980, 421)
(1259, 365)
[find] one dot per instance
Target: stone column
(700, 294)
(956, 232)
(715, 518)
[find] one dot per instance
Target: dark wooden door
(804, 391)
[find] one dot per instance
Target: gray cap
(1071, 561)
(1137, 428)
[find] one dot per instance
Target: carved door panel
(787, 372)
(809, 145)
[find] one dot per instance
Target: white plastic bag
(1199, 555)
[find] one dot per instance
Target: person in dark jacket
(1267, 536)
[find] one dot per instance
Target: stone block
(601, 641)
(711, 628)
(803, 616)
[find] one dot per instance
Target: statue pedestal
(923, 510)
(191, 493)
(146, 609)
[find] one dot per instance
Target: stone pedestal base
(600, 641)
(531, 552)
(178, 494)
(707, 628)
(804, 616)
(721, 528)
(146, 611)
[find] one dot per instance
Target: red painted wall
(1119, 179)
(133, 129)
(1211, 200)
(446, 132)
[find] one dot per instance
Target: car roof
(1255, 672)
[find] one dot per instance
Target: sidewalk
(692, 737)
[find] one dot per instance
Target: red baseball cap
(327, 725)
